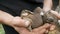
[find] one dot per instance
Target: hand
(20, 26)
(39, 30)
(18, 22)
(10, 20)
(56, 14)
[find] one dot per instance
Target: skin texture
(8, 19)
(18, 24)
(47, 5)
(39, 30)
(56, 14)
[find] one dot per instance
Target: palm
(40, 30)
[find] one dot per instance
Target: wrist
(7, 21)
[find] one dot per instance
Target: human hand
(20, 26)
(56, 14)
(8, 19)
(40, 30)
(18, 22)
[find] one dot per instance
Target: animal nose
(50, 19)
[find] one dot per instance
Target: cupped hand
(20, 26)
(39, 30)
(18, 22)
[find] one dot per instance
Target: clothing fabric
(37, 1)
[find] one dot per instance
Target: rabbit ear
(37, 10)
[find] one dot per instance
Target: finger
(45, 26)
(21, 30)
(20, 22)
(42, 31)
(56, 14)
(52, 27)
(26, 23)
(46, 31)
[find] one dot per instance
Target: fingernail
(27, 23)
(52, 27)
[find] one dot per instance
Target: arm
(47, 5)
(8, 19)
(5, 18)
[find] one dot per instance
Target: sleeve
(37, 1)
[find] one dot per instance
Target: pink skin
(19, 24)
(47, 5)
